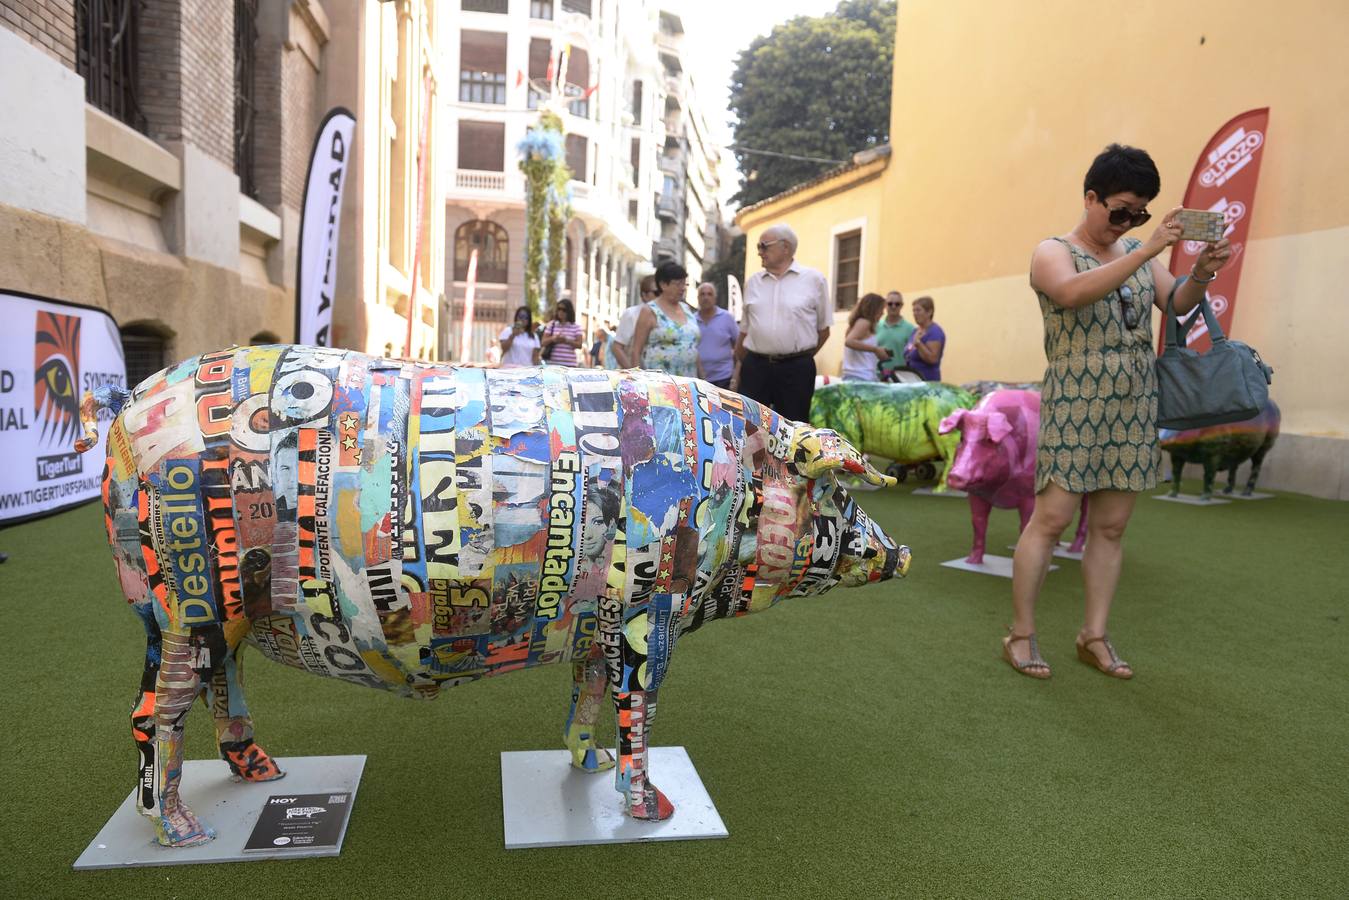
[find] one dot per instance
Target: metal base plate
(1190, 499)
(932, 492)
(1252, 496)
(992, 565)
(547, 803)
(230, 807)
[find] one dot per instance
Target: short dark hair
(667, 272)
(1118, 168)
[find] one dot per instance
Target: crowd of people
(768, 355)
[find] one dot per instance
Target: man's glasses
(1120, 215)
(1127, 308)
(894, 305)
(764, 245)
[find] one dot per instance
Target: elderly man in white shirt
(785, 323)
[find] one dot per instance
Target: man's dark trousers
(786, 385)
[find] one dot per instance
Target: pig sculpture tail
(109, 396)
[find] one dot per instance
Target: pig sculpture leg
(1257, 461)
(224, 696)
(634, 678)
(587, 695)
(979, 510)
(1210, 470)
(1080, 539)
(1177, 466)
(176, 689)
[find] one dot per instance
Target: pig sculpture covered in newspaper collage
(411, 526)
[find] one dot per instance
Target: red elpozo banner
(1223, 181)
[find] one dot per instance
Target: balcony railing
(477, 180)
(667, 207)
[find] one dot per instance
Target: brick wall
(160, 78)
(49, 24)
(300, 117)
(208, 70)
(187, 73)
(268, 123)
(286, 86)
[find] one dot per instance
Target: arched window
(493, 246)
(145, 347)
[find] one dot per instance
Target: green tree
(733, 264)
(813, 87)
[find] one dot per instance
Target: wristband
(1194, 275)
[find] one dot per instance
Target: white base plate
(992, 565)
(231, 808)
(1190, 499)
(545, 802)
(1254, 496)
(1060, 550)
(932, 492)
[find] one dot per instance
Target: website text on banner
(1223, 181)
(50, 354)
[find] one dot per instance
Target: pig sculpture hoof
(654, 806)
(181, 828)
(975, 559)
(592, 759)
(252, 764)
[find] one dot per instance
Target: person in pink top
(562, 337)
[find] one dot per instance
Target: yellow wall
(999, 108)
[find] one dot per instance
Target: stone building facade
(154, 155)
(501, 55)
(140, 177)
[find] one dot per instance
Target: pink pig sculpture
(995, 462)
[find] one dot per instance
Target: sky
(715, 31)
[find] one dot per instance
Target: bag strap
(1177, 329)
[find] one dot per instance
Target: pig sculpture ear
(998, 426)
(951, 422)
(818, 451)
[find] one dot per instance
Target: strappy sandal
(1034, 666)
(1117, 668)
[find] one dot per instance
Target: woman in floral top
(666, 338)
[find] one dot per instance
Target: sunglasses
(764, 245)
(1120, 215)
(1126, 308)
(894, 305)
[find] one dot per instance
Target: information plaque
(300, 822)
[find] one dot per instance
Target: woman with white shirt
(519, 346)
(861, 353)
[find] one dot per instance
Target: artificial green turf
(865, 743)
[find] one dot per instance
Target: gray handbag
(1229, 383)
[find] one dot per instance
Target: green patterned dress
(1098, 405)
(670, 346)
